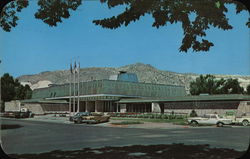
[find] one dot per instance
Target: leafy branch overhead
(195, 16)
(207, 13)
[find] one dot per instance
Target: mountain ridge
(146, 73)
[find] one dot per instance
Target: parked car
(77, 115)
(92, 118)
(244, 119)
(23, 113)
(209, 119)
(9, 114)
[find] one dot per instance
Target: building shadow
(177, 151)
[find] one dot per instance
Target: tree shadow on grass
(10, 126)
(177, 151)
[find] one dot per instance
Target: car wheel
(220, 124)
(79, 121)
(245, 122)
(194, 123)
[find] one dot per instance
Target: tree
(209, 84)
(11, 89)
(232, 86)
(248, 89)
(205, 84)
(208, 13)
(7, 88)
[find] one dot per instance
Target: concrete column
(123, 108)
(117, 107)
(156, 108)
(86, 106)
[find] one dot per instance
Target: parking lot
(26, 136)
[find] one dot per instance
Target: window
(213, 116)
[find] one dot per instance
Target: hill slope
(145, 72)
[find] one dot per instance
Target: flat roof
(44, 101)
(188, 98)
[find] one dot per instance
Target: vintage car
(23, 113)
(92, 118)
(244, 119)
(77, 115)
(209, 119)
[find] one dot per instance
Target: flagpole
(78, 100)
(74, 99)
(70, 80)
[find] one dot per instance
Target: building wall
(220, 107)
(12, 105)
(99, 106)
(34, 108)
(90, 106)
(200, 112)
(55, 107)
(112, 87)
(244, 107)
(201, 107)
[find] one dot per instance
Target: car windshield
(220, 116)
(206, 116)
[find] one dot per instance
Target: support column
(155, 108)
(123, 108)
(117, 107)
(86, 106)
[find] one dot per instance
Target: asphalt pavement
(24, 136)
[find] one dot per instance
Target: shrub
(193, 113)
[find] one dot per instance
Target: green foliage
(193, 114)
(209, 84)
(248, 89)
(164, 12)
(11, 89)
(8, 18)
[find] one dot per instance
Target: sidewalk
(50, 118)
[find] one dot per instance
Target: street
(21, 137)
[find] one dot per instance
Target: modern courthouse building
(124, 93)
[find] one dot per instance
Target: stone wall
(156, 108)
(200, 112)
(244, 107)
(34, 108)
(55, 107)
(14, 105)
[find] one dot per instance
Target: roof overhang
(231, 97)
(93, 97)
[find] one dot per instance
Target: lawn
(127, 122)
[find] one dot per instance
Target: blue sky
(33, 47)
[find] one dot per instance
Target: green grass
(174, 121)
(127, 122)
